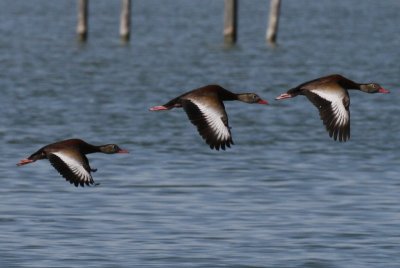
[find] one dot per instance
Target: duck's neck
(348, 84)
(226, 95)
(89, 149)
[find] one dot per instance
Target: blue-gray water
(285, 195)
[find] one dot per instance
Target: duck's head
(251, 98)
(373, 88)
(112, 149)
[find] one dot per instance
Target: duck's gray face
(373, 88)
(113, 149)
(253, 98)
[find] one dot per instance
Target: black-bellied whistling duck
(205, 109)
(68, 157)
(329, 94)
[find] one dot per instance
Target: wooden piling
(82, 27)
(125, 24)
(230, 21)
(274, 12)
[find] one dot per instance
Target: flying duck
(205, 108)
(330, 95)
(68, 157)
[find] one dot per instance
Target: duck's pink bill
(382, 90)
(262, 102)
(122, 151)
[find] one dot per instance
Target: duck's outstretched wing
(72, 167)
(211, 122)
(334, 111)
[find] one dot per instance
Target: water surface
(285, 195)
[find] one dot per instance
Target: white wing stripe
(338, 109)
(75, 167)
(214, 120)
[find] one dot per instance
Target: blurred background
(285, 195)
